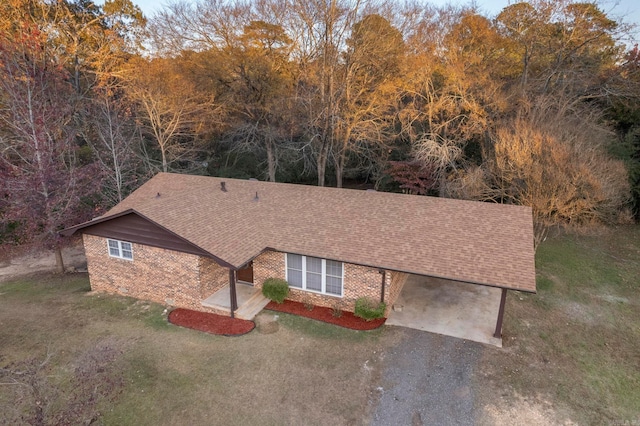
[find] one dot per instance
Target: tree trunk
(340, 169)
(322, 162)
(59, 261)
(271, 161)
(442, 184)
(525, 69)
(165, 168)
(342, 157)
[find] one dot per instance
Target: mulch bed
(210, 323)
(347, 320)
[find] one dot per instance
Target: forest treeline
(539, 105)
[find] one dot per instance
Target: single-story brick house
(180, 239)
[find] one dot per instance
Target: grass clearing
(116, 360)
(574, 345)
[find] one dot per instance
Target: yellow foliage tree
(560, 167)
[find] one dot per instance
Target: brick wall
(184, 280)
(395, 282)
(359, 281)
(269, 264)
(212, 277)
(163, 276)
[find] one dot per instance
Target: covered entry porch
(250, 301)
(239, 298)
(452, 308)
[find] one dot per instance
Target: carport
(451, 308)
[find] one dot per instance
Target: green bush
(369, 309)
(275, 289)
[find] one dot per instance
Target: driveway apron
(427, 380)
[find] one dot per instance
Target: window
(314, 274)
(121, 249)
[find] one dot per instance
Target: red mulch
(347, 320)
(210, 323)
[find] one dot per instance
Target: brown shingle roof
(469, 241)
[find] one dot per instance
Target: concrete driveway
(466, 311)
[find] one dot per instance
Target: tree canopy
(538, 105)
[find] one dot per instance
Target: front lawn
(72, 357)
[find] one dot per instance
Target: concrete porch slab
(466, 311)
(221, 299)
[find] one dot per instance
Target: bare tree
(114, 137)
(173, 110)
(368, 89)
(323, 28)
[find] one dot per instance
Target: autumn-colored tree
(563, 172)
(563, 46)
(43, 180)
(525, 28)
(261, 85)
(490, 107)
(367, 89)
(414, 177)
(173, 111)
(450, 102)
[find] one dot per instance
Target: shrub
(275, 289)
(369, 309)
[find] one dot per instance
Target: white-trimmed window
(314, 274)
(120, 249)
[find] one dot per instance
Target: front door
(246, 274)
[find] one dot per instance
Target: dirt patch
(40, 261)
(516, 410)
(267, 324)
(579, 312)
(614, 299)
(346, 319)
(210, 323)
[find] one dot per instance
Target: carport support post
(503, 298)
(232, 292)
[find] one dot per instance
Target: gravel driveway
(426, 380)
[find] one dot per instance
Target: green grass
(45, 287)
(543, 283)
(575, 342)
(322, 330)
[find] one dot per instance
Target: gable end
(137, 229)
